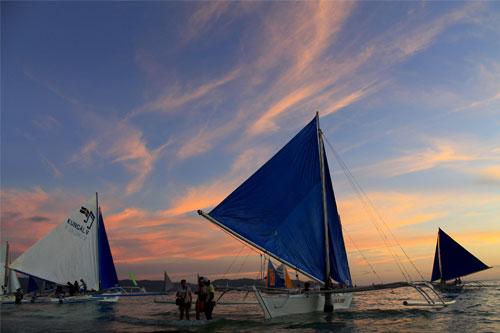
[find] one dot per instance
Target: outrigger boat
(287, 210)
(75, 249)
(452, 262)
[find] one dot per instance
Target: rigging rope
(361, 253)
(363, 197)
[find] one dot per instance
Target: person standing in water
(200, 300)
(210, 302)
(184, 299)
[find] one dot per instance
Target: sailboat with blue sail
(75, 250)
(287, 210)
(452, 262)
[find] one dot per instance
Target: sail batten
(452, 260)
(280, 208)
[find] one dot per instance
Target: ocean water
(475, 310)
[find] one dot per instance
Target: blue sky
(166, 107)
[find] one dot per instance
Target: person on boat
(184, 299)
(200, 300)
(71, 288)
(19, 295)
(208, 307)
(60, 294)
(307, 287)
(84, 286)
(4, 290)
(76, 287)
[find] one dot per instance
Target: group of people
(205, 300)
(74, 288)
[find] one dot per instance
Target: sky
(164, 108)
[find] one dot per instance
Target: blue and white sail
(452, 261)
(75, 249)
(280, 209)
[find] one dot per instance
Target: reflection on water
(475, 310)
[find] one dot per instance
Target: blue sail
(280, 209)
(32, 286)
(107, 272)
(455, 260)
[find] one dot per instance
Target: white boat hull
(107, 297)
(289, 304)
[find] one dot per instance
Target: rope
(363, 197)
(361, 253)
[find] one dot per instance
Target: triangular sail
(279, 208)
(283, 274)
(107, 271)
(68, 252)
(273, 277)
(32, 285)
(456, 261)
(167, 283)
(13, 283)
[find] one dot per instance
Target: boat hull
(288, 304)
(107, 297)
(448, 287)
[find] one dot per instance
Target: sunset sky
(166, 107)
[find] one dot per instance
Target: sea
(475, 310)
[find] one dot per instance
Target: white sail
(13, 283)
(3, 265)
(167, 283)
(69, 252)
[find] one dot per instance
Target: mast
(328, 297)
(98, 240)
(439, 257)
(6, 262)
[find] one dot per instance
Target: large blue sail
(280, 209)
(455, 260)
(107, 272)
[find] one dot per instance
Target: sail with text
(75, 249)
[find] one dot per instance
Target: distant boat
(452, 262)
(76, 249)
(167, 283)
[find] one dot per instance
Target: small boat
(452, 262)
(76, 249)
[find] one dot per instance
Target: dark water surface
(476, 310)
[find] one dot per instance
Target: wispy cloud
(478, 104)
(54, 170)
(312, 72)
(50, 86)
(175, 96)
(438, 153)
(120, 142)
(203, 18)
(47, 123)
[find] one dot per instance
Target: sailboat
(76, 249)
(452, 261)
(287, 210)
(9, 280)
